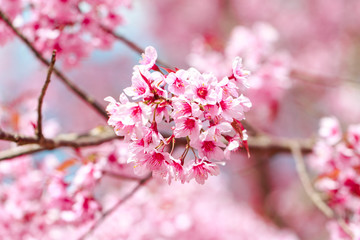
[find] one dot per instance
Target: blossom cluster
(199, 108)
(36, 199)
(73, 27)
(39, 202)
(336, 158)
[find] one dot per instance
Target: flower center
(202, 92)
(208, 146)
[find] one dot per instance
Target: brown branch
(255, 143)
(310, 191)
(75, 89)
(20, 151)
(129, 43)
(278, 144)
(64, 140)
(120, 176)
(116, 206)
(42, 95)
(20, 140)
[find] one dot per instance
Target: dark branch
(42, 95)
(120, 176)
(64, 140)
(129, 43)
(88, 99)
(256, 143)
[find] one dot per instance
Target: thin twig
(129, 43)
(120, 176)
(115, 207)
(75, 89)
(42, 95)
(310, 191)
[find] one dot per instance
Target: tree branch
(310, 191)
(75, 89)
(92, 138)
(116, 206)
(129, 43)
(256, 143)
(120, 176)
(42, 95)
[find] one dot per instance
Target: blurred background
(304, 59)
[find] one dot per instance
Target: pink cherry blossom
(187, 126)
(199, 107)
(149, 58)
(199, 170)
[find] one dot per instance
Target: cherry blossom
(195, 106)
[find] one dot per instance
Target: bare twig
(75, 89)
(42, 95)
(120, 176)
(310, 191)
(129, 43)
(116, 206)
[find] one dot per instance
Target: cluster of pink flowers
(336, 158)
(269, 68)
(72, 27)
(50, 198)
(36, 200)
(200, 108)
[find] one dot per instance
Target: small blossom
(187, 126)
(149, 57)
(201, 169)
(239, 73)
(330, 130)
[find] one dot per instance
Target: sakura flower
(202, 88)
(154, 161)
(330, 130)
(178, 82)
(239, 73)
(179, 172)
(234, 108)
(139, 88)
(199, 170)
(353, 136)
(149, 57)
(234, 144)
(227, 88)
(187, 126)
(209, 144)
(184, 107)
